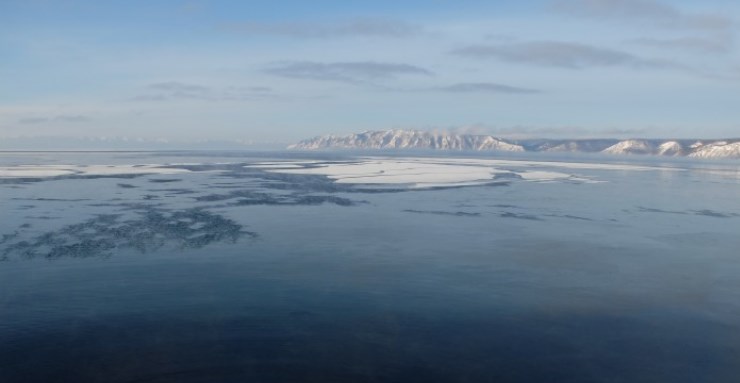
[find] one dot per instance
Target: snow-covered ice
(46, 171)
(435, 172)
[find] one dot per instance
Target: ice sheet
(45, 171)
(416, 172)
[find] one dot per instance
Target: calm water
(230, 274)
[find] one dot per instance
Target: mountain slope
(721, 149)
(670, 148)
(630, 147)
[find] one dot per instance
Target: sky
(264, 72)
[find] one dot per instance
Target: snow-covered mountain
(670, 148)
(408, 139)
(630, 147)
(720, 149)
(696, 149)
(414, 139)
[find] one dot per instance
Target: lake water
(212, 269)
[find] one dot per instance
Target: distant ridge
(414, 139)
(408, 139)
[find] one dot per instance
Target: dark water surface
(231, 274)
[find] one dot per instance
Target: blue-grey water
(232, 274)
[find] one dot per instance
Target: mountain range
(414, 139)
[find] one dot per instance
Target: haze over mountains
(414, 139)
(103, 143)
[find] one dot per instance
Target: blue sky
(280, 71)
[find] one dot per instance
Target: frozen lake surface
(327, 267)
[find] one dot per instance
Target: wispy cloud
(174, 86)
(351, 72)
(486, 87)
(352, 28)
(655, 12)
(173, 90)
(689, 44)
(559, 54)
(60, 118)
(33, 120)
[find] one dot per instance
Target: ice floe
(46, 171)
(428, 172)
